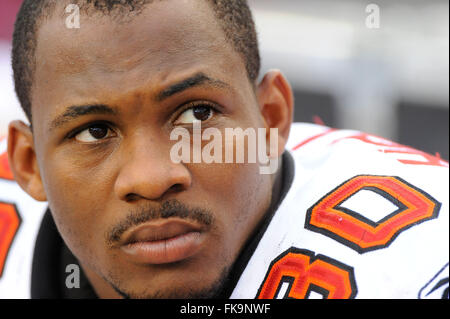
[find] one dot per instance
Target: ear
(22, 160)
(276, 102)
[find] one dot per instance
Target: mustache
(167, 209)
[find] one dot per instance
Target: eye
(94, 133)
(197, 113)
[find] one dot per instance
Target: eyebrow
(74, 112)
(198, 79)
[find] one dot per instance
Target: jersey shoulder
(20, 218)
(364, 218)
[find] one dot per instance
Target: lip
(163, 242)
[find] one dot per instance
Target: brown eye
(196, 113)
(98, 132)
(94, 133)
(202, 113)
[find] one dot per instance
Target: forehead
(108, 54)
(162, 28)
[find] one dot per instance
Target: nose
(148, 173)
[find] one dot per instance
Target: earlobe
(276, 103)
(22, 160)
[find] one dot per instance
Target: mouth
(163, 242)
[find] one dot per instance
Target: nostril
(131, 197)
(176, 188)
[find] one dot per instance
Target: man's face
(105, 99)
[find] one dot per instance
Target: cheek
(238, 195)
(76, 199)
(238, 184)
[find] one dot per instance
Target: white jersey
(20, 218)
(363, 218)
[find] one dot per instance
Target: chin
(210, 291)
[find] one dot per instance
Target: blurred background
(377, 66)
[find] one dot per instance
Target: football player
(346, 215)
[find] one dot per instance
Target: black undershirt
(51, 255)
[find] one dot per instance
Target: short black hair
(234, 17)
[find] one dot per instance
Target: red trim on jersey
(5, 170)
(307, 273)
(386, 146)
(9, 224)
(353, 230)
(312, 138)
(317, 120)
